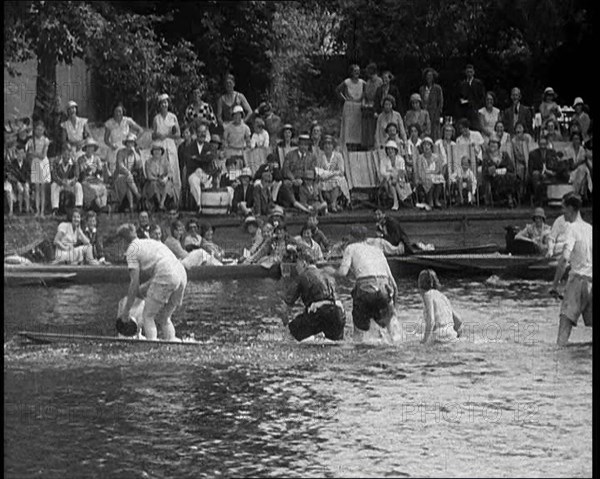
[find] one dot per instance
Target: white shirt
(364, 260)
(558, 235)
(260, 140)
(578, 247)
(154, 258)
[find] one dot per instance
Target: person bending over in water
(165, 289)
(375, 291)
(439, 315)
(322, 312)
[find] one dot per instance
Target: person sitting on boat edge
(72, 246)
(91, 231)
(317, 234)
(537, 233)
(197, 257)
(442, 323)
(164, 291)
(322, 313)
(392, 231)
(578, 253)
(375, 290)
(143, 230)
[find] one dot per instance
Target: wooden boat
(57, 338)
(27, 278)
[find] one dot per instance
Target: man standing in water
(322, 313)
(375, 290)
(165, 289)
(577, 252)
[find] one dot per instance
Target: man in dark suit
(472, 97)
(143, 230)
(243, 194)
(543, 168)
(517, 113)
(201, 164)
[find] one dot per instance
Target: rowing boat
(56, 338)
(28, 278)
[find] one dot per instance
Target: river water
(249, 401)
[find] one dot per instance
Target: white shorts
(577, 300)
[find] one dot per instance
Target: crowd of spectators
(251, 160)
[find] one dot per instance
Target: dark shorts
(372, 298)
(328, 319)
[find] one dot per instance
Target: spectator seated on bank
(552, 132)
(159, 180)
(463, 182)
(65, 175)
(418, 115)
(429, 174)
(195, 258)
(310, 195)
(392, 172)
(413, 150)
(499, 175)
(317, 234)
(580, 117)
(286, 144)
(385, 118)
(18, 173)
(331, 171)
(129, 175)
(264, 194)
(296, 163)
(243, 194)
(539, 174)
(202, 165)
(581, 160)
(272, 165)
(91, 231)
(95, 193)
(391, 133)
(471, 138)
(156, 233)
(252, 228)
(193, 239)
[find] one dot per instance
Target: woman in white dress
(392, 171)
(75, 129)
(351, 90)
(165, 128)
(116, 130)
(489, 115)
(331, 171)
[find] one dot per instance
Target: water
(251, 402)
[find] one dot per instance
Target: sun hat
(392, 144)
(157, 145)
(539, 212)
(578, 101)
(163, 96)
(427, 138)
(250, 220)
(549, 91)
(304, 136)
(71, 103)
(90, 142)
(130, 137)
(277, 210)
(246, 172)
(416, 97)
(237, 109)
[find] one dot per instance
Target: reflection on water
(251, 402)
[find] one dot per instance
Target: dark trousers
(328, 319)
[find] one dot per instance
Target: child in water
(438, 313)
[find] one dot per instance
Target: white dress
(118, 133)
(164, 126)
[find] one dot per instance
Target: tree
(52, 32)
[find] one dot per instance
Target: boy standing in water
(439, 315)
(577, 253)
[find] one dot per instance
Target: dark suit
(524, 116)
(239, 196)
(203, 160)
(143, 233)
(20, 174)
(475, 95)
(393, 232)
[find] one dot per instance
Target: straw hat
(71, 104)
(90, 142)
(237, 109)
(427, 139)
(304, 136)
(163, 96)
(250, 220)
(578, 101)
(549, 91)
(539, 212)
(246, 172)
(277, 210)
(157, 145)
(416, 97)
(130, 137)
(392, 144)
